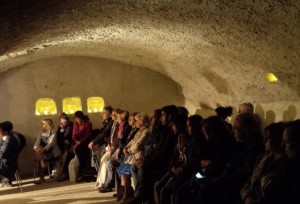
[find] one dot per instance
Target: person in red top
(81, 132)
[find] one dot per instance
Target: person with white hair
(246, 108)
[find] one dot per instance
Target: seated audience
(119, 155)
(226, 188)
(216, 150)
(157, 163)
(175, 175)
(134, 153)
(116, 158)
(224, 113)
(100, 142)
(102, 172)
(9, 150)
(269, 175)
(46, 147)
(153, 140)
(246, 108)
(65, 144)
(107, 122)
(291, 144)
(82, 129)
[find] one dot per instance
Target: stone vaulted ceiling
(217, 51)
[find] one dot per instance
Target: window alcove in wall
(71, 105)
(45, 106)
(95, 104)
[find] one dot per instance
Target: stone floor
(53, 192)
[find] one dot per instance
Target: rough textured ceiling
(218, 51)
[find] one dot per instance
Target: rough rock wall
(217, 50)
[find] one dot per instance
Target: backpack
(21, 140)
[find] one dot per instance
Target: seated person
(268, 177)
(65, 142)
(291, 145)
(226, 187)
(46, 147)
(82, 130)
(8, 153)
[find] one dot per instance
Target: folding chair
(50, 163)
(19, 180)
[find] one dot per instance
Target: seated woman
(65, 142)
(46, 147)
(116, 158)
(134, 152)
(82, 130)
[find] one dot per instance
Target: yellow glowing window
(45, 106)
(271, 77)
(95, 104)
(71, 105)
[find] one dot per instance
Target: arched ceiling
(218, 51)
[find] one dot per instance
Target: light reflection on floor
(53, 192)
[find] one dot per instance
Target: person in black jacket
(291, 144)
(105, 131)
(269, 175)
(157, 163)
(225, 188)
(9, 151)
(65, 143)
(163, 189)
(216, 150)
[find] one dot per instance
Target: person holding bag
(134, 152)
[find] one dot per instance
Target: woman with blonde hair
(134, 153)
(46, 146)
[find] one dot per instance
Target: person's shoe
(62, 178)
(80, 179)
(90, 179)
(136, 200)
(105, 189)
(89, 172)
(125, 200)
(97, 186)
(40, 181)
(7, 183)
(115, 195)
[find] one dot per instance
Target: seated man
(8, 153)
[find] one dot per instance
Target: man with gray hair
(246, 108)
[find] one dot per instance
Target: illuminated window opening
(45, 106)
(95, 104)
(71, 105)
(271, 78)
